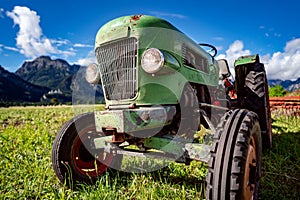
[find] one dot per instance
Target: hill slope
(289, 85)
(15, 89)
(60, 76)
(43, 71)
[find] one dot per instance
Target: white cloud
(236, 49)
(284, 65)
(83, 45)
(88, 60)
(72, 49)
(280, 65)
(11, 48)
(1, 13)
(8, 48)
(164, 14)
(60, 42)
(30, 39)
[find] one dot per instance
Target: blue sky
(66, 29)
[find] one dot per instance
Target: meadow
(27, 134)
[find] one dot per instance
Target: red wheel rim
(84, 161)
(250, 171)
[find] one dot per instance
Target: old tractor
(161, 90)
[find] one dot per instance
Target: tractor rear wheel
(253, 95)
(235, 165)
(257, 100)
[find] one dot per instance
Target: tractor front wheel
(235, 165)
(73, 157)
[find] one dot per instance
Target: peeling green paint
(246, 60)
(134, 120)
(153, 32)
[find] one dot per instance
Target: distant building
(58, 91)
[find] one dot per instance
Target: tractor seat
(224, 69)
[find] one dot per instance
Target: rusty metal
(117, 138)
(285, 105)
(118, 107)
(293, 100)
(250, 170)
(135, 18)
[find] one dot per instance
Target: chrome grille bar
(118, 67)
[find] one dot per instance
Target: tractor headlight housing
(152, 60)
(92, 74)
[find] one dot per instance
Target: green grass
(26, 136)
(281, 165)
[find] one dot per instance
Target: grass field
(26, 136)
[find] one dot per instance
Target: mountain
(67, 82)
(289, 85)
(43, 71)
(15, 89)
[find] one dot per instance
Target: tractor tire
(253, 95)
(234, 168)
(72, 158)
(189, 121)
(257, 100)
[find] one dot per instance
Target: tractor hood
(122, 26)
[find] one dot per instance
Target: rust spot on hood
(135, 18)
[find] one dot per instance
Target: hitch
(117, 138)
(161, 148)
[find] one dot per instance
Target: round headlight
(92, 74)
(152, 60)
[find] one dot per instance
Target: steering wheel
(212, 51)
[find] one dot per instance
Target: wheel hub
(84, 161)
(250, 178)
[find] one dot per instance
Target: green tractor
(161, 91)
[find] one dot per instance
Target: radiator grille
(118, 67)
(193, 59)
